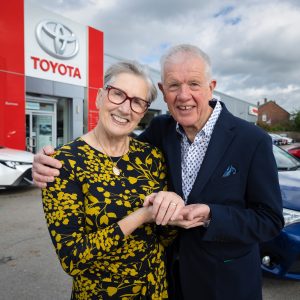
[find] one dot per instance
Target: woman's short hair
(135, 68)
(186, 49)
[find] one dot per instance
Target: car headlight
(291, 216)
(12, 164)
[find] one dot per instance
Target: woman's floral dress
(82, 207)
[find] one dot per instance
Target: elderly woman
(104, 237)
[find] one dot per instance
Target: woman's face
(120, 120)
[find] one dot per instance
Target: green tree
(297, 120)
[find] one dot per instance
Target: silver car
(15, 167)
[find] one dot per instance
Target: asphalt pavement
(29, 268)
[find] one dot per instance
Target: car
(277, 139)
(293, 149)
(15, 167)
(280, 257)
(285, 137)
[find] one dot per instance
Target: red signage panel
(95, 73)
(12, 36)
(12, 110)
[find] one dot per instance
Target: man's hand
(187, 224)
(192, 215)
(166, 206)
(44, 167)
(196, 211)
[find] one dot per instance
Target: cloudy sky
(254, 44)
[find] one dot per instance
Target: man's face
(187, 91)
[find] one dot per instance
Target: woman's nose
(126, 106)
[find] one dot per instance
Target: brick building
(271, 113)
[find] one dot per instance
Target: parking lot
(29, 268)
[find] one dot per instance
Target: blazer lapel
(173, 155)
(219, 142)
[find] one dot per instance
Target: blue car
(280, 257)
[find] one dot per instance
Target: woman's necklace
(115, 168)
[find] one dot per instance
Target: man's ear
(212, 85)
(160, 86)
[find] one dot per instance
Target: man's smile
(185, 107)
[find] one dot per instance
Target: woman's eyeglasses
(118, 96)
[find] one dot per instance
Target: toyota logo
(57, 39)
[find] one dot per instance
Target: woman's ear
(98, 98)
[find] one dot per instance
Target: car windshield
(285, 161)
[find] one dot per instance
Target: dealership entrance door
(40, 123)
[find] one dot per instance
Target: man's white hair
(185, 49)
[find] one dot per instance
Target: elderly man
(223, 169)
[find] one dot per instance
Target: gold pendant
(116, 170)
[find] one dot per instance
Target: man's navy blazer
(238, 179)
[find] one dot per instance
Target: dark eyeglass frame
(110, 87)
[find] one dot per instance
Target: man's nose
(184, 92)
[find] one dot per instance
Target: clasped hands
(170, 209)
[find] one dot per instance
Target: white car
(277, 139)
(288, 140)
(15, 167)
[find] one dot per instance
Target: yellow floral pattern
(82, 207)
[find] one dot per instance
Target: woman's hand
(166, 206)
(147, 214)
(137, 218)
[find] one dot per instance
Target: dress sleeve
(63, 203)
